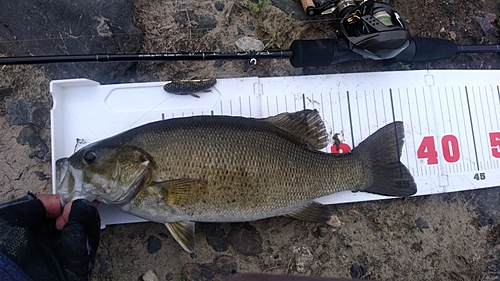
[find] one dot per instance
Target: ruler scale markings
(268, 110)
(341, 118)
(418, 115)
(482, 134)
(462, 102)
(479, 132)
(322, 106)
(375, 105)
(459, 131)
(360, 126)
(395, 135)
(350, 118)
(303, 101)
(250, 105)
(411, 121)
(331, 111)
(472, 127)
(368, 119)
(277, 104)
(404, 119)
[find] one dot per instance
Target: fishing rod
(369, 29)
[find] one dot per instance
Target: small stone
(169, 276)
(456, 26)
(353, 212)
(219, 6)
(150, 275)
(303, 258)
(324, 257)
(246, 43)
(154, 244)
(221, 268)
(417, 246)
(490, 16)
(421, 223)
(334, 221)
(5, 92)
(207, 21)
(216, 237)
(451, 2)
(486, 25)
(250, 25)
(245, 239)
(28, 136)
(357, 271)
(453, 35)
(321, 231)
(442, 30)
(27, 112)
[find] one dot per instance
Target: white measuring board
(451, 118)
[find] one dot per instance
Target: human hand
(49, 242)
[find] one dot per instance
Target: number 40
(427, 149)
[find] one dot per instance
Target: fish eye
(89, 156)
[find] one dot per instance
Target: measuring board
(451, 118)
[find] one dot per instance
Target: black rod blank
(282, 54)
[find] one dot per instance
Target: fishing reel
(370, 28)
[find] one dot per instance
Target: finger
(62, 220)
(52, 204)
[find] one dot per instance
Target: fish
(231, 169)
(189, 87)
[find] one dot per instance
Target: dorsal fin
(306, 123)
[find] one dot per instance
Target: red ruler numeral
(427, 150)
(449, 145)
(495, 144)
(451, 153)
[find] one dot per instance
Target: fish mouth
(67, 187)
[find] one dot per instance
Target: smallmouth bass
(230, 169)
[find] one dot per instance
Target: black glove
(32, 241)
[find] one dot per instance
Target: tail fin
(382, 150)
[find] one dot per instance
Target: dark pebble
(245, 239)
(207, 21)
(5, 92)
(220, 269)
(420, 222)
(486, 25)
(154, 244)
(324, 257)
(216, 237)
(417, 246)
(42, 176)
(219, 6)
(27, 112)
(451, 2)
(240, 31)
(250, 25)
(321, 231)
(28, 136)
(169, 276)
(357, 271)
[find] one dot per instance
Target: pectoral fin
(183, 233)
(181, 192)
(314, 212)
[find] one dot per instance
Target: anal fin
(183, 233)
(314, 212)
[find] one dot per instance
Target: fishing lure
(189, 87)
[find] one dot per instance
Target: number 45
(480, 176)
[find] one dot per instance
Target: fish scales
(229, 169)
(247, 170)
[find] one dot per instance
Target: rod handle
(307, 5)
